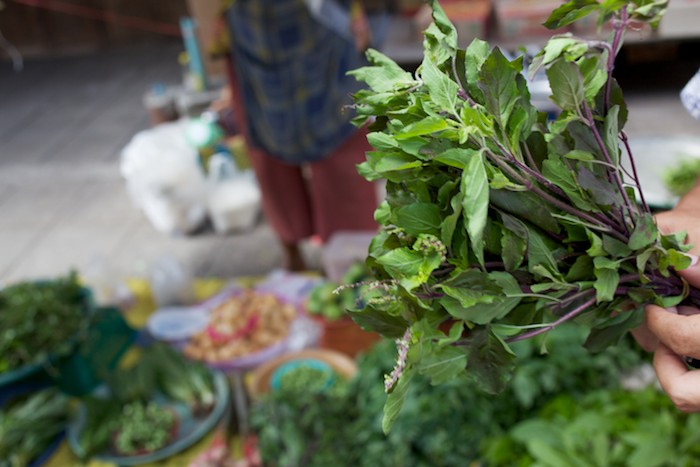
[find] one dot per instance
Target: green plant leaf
(644, 234)
(497, 82)
(476, 54)
(607, 280)
(443, 365)
(372, 319)
(570, 12)
(457, 157)
(395, 400)
(442, 90)
(426, 126)
(567, 85)
(385, 75)
(489, 360)
(419, 218)
(475, 188)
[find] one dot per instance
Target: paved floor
(63, 203)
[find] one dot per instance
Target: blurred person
(293, 98)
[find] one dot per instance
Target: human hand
(359, 25)
(674, 333)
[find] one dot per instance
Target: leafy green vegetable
(143, 428)
(517, 224)
(29, 425)
(41, 319)
(602, 428)
(450, 424)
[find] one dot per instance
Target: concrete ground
(63, 203)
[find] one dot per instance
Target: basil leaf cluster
(500, 223)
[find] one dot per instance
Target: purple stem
(550, 199)
(530, 171)
(626, 142)
(619, 28)
(535, 332)
(608, 159)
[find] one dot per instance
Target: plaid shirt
(292, 73)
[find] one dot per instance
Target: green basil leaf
(567, 85)
(385, 75)
(395, 399)
(497, 81)
(476, 55)
(426, 126)
(569, 12)
(443, 364)
(457, 157)
(475, 188)
(644, 234)
(419, 218)
(490, 360)
(442, 89)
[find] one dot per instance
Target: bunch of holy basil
(499, 224)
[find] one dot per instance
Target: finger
(691, 273)
(680, 385)
(645, 338)
(677, 332)
(681, 221)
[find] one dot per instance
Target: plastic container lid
(177, 323)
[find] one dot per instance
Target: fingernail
(693, 259)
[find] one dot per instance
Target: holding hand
(674, 333)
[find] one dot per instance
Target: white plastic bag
(234, 196)
(165, 179)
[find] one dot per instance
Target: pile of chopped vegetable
(41, 319)
(143, 428)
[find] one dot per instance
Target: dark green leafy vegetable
(602, 428)
(29, 425)
(41, 319)
(445, 425)
(499, 225)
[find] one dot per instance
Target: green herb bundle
(41, 319)
(498, 224)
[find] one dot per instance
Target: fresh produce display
(680, 179)
(331, 301)
(453, 424)
(160, 373)
(244, 324)
(30, 424)
(143, 428)
(41, 319)
(611, 428)
(498, 224)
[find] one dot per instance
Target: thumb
(692, 272)
(676, 331)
